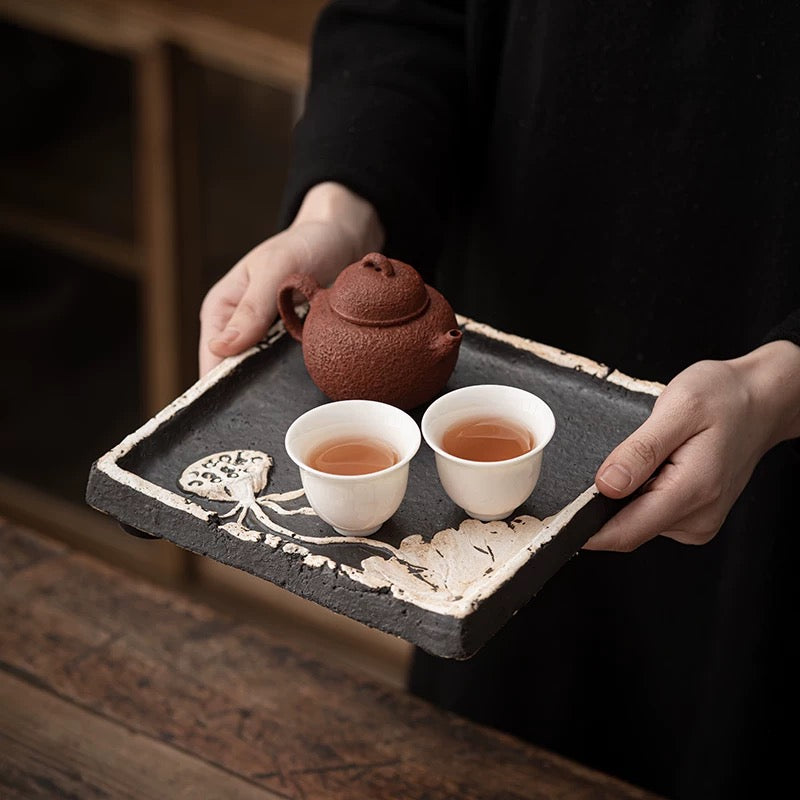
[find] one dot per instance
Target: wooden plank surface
(50, 747)
(89, 531)
(375, 653)
(93, 661)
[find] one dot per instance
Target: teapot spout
(446, 343)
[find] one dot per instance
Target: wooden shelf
(67, 155)
(266, 41)
(136, 177)
(76, 366)
(117, 255)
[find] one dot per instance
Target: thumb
(635, 460)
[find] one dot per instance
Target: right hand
(332, 229)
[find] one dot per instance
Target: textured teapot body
(383, 336)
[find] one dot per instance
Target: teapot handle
(306, 286)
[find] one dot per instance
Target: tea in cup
(488, 442)
(353, 457)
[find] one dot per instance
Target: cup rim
(486, 464)
(414, 449)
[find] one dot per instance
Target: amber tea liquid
(487, 439)
(353, 456)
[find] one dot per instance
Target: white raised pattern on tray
(448, 574)
(635, 384)
(456, 593)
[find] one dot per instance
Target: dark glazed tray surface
(447, 594)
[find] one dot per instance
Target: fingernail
(616, 477)
(227, 336)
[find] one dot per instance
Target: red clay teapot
(378, 333)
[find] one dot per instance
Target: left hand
(708, 430)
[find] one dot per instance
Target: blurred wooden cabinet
(143, 152)
(178, 55)
(146, 153)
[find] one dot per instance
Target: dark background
(131, 163)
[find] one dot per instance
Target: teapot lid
(379, 291)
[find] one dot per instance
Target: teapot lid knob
(379, 262)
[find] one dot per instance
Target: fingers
(686, 464)
(672, 505)
(645, 517)
(643, 520)
(206, 360)
(635, 460)
(249, 321)
(684, 501)
(257, 304)
(240, 308)
(216, 311)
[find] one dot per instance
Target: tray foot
(136, 532)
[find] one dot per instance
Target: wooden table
(110, 687)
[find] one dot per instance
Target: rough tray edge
(109, 466)
(439, 634)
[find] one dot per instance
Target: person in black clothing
(621, 181)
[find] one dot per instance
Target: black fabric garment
(621, 181)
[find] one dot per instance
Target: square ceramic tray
(210, 474)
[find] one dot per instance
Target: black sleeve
(383, 115)
(789, 329)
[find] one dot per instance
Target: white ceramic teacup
(354, 505)
(489, 490)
